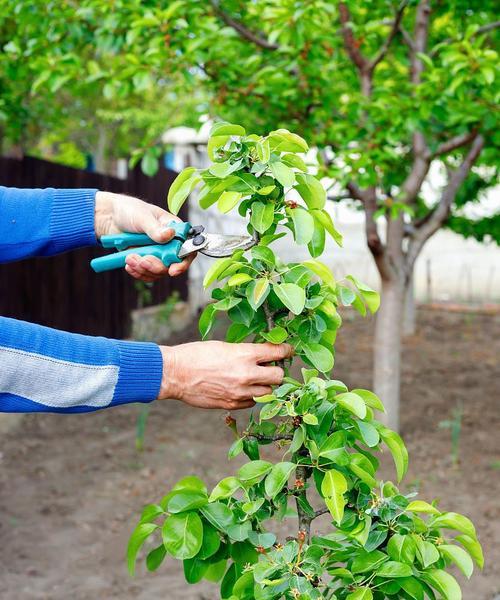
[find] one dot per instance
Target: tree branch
(394, 29)
(407, 38)
(483, 29)
(437, 217)
(350, 43)
(455, 142)
(255, 38)
(270, 438)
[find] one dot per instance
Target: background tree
(69, 90)
(384, 90)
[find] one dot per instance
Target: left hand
(117, 213)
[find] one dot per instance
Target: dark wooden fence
(63, 291)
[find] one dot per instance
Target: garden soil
(72, 486)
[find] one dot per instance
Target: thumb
(155, 224)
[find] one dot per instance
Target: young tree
(326, 436)
(382, 93)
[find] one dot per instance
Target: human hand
(220, 375)
(117, 213)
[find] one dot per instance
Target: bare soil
(72, 486)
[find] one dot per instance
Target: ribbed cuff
(72, 219)
(141, 369)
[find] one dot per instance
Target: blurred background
(399, 104)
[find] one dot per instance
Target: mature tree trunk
(409, 313)
(387, 350)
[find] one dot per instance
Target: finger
(268, 352)
(137, 269)
(153, 266)
(182, 267)
(268, 375)
(155, 223)
(238, 404)
(138, 275)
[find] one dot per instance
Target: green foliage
(381, 543)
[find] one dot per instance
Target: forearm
(45, 222)
(45, 370)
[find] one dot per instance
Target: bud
(301, 537)
(299, 483)
(231, 423)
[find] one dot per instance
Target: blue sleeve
(45, 370)
(43, 222)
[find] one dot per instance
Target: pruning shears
(186, 241)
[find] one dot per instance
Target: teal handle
(121, 241)
(167, 253)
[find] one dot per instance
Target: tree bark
(409, 313)
(387, 350)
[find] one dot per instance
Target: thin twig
(255, 38)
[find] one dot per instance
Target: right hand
(221, 375)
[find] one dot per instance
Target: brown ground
(71, 487)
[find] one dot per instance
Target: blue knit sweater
(45, 370)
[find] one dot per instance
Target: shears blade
(217, 245)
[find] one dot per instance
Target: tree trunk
(100, 151)
(409, 315)
(387, 350)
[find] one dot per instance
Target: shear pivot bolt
(198, 240)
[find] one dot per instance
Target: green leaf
(326, 220)
(265, 540)
(277, 335)
(317, 244)
(333, 487)
(194, 569)
(451, 520)
(367, 561)
(150, 513)
(444, 583)
(257, 292)
(183, 535)
(398, 450)
(256, 469)
(207, 320)
(283, 140)
(228, 200)
(262, 216)
(294, 161)
(458, 556)
(149, 164)
(420, 506)
(371, 297)
(219, 515)
(224, 128)
(235, 449)
(265, 399)
(353, 403)
(239, 531)
(238, 279)
(211, 541)
(181, 188)
(263, 150)
(401, 548)
(278, 477)
(216, 269)
(310, 419)
(283, 174)
(473, 547)
(292, 296)
(361, 593)
(137, 539)
(155, 558)
(303, 225)
(412, 587)
(322, 271)
(214, 143)
(368, 433)
(311, 191)
(225, 488)
(320, 357)
(426, 552)
(185, 500)
(370, 399)
(393, 568)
